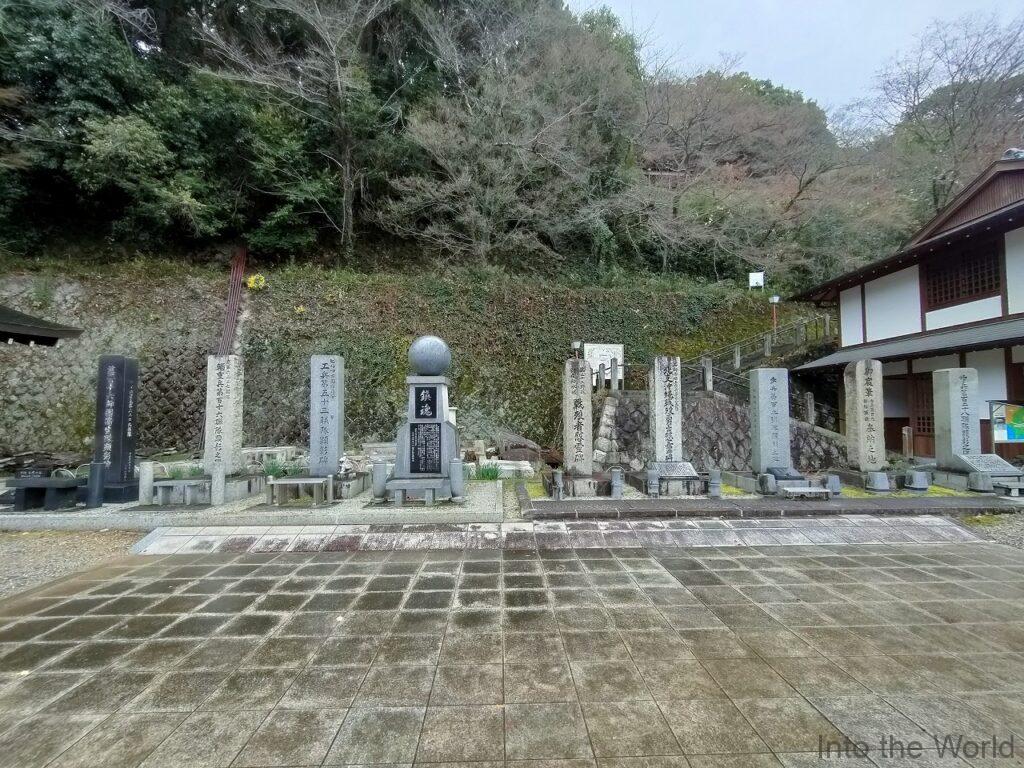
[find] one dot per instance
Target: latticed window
(964, 277)
(924, 419)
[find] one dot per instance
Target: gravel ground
(32, 558)
(1005, 529)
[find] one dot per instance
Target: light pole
(774, 300)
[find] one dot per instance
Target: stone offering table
(281, 489)
(47, 493)
(192, 490)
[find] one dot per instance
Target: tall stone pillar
(957, 425)
(769, 419)
(665, 397)
(326, 414)
(223, 444)
(865, 415)
(577, 418)
(117, 394)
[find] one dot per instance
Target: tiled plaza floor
(617, 658)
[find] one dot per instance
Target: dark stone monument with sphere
(427, 443)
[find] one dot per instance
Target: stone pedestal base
(582, 487)
(119, 493)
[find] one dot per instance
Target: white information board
(602, 354)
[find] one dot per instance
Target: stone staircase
(724, 369)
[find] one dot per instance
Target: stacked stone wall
(716, 434)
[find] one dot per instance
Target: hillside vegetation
(470, 132)
(509, 336)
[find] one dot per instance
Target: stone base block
(583, 487)
(119, 493)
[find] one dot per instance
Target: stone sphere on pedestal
(429, 356)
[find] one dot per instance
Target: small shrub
(274, 468)
(256, 282)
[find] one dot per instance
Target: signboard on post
(1007, 421)
(755, 279)
(602, 354)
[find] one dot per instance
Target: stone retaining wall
(716, 434)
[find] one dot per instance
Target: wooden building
(952, 297)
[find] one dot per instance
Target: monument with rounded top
(427, 464)
(429, 356)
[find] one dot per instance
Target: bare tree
(322, 76)
(952, 103)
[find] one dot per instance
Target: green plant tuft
(488, 472)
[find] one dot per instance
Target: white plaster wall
(1015, 270)
(850, 323)
(893, 304)
(925, 364)
(894, 392)
(991, 366)
(972, 311)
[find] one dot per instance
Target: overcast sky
(828, 49)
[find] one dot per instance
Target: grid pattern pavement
(616, 658)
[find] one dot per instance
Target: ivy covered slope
(509, 335)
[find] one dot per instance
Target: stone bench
(191, 488)
(48, 493)
(805, 492)
(1008, 488)
(280, 489)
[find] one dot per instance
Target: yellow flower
(256, 282)
(300, 309)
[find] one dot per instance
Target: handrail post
(707, 371)
(737, 357)
(767, 345)
(809, 410)
(827, 323)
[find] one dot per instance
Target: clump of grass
(535, 490)
(853, 492)
(732, 490)
(184, 471)
(488, 472)
(274, 468)
(982, 520)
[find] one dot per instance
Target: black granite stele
(117, 394)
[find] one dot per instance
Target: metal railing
(801, 406)
(745, 354)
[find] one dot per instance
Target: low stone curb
(571, 509)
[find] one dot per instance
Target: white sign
(755, 279)
(602, 354)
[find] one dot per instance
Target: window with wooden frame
(961, 277)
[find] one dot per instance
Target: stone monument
(957, 428)
(769, 419)
(577, 418)
(958, 434)
(427, 442)
(326, 414)
(117, 391)
(222, 451)
(665, 397)
(865, 416)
